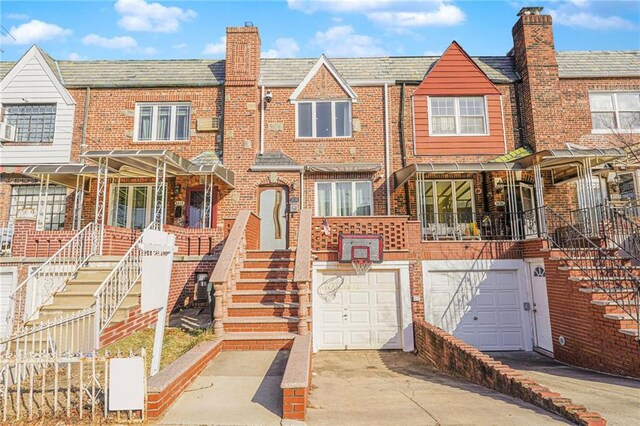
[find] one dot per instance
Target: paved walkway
(395, 388)
(617, 399)
(237, 388)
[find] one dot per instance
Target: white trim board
(406, 318)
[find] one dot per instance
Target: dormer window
(323, 119)
(454, 116)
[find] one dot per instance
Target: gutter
(262, 107)
(83, 143)
(266, 168)
(403, 155)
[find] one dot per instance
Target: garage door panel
(385, 298)
(386, 318)
(333, 339)
(482, 308)
(387, 339)
(357, 298)
(357, 317)
(359, 338)
(332, 317)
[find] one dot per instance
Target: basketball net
(329, 288)
(361, 265)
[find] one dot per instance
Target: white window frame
(333, 118)
(154, 121)
(334, 195)
(457, 117)
(434, 182)
(616, 112)
(112, 203)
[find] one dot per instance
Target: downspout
(403, 155)
(262, 121)
(83, 143)
(386, 148)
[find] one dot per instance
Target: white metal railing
(52, 275)
(75, 387)
(6, 237)
(118, 284)
(66, 334)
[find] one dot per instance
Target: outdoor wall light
(268, 96)
(177, 189)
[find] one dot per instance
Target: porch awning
(563, 162)
(143, 163)
(343, 168)
(404, 174)
(62, 174)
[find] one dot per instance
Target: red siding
(455, 74)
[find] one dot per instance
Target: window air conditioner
(208, 124)
(7, 132)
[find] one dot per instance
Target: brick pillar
(23, 227)
(535, 59)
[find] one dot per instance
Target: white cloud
(138, 15)
(590, 21)
(431, 53)
(445, 15)
(310, 6)
(124, 42)
(342, 40)
(74, 56)
(285, 48)
(34, 31)
(216, 49)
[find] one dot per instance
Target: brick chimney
(241, 137)
(535, 59)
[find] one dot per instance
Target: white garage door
(7, 278)
(482, 308)
(364, 314)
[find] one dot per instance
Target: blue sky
(157, 29)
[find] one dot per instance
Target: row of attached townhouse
(492, 180)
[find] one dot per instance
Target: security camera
(268, 96)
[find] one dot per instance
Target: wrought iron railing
(66, 334)
(52, 276)
(603, 270)
(6, 237)
(480, 225)
(118, 284)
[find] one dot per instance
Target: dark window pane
(323, 119)
(304, 120)
(343, 119)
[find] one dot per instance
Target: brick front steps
(453, 356)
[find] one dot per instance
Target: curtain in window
(363, 199)
(343, 119)
(304, 120)
(164, 123)
(144, 126)
(324, 199)
(182, 122)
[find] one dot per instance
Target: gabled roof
(323, 61)
(48, 66)
(456, 73)
(612, 63)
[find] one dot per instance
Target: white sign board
(126, 383)
(156, 269)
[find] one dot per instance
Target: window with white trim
(34, 122)
(615, 111)
(162, 122)
(323, 119)
(344, 198)
(27, 196)
(133, 206)
(453, 116)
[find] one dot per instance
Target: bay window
(323, 119)
(162, 122)
(344, 198)
(615, 111)
(453, 116)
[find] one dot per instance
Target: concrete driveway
(396, 388)
(617, 399)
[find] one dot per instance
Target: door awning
(404, 174)
(62, 174)
(343, 168)
(143, 163)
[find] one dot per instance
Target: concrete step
(277, 254)
(94, 272)
(284, 262)
(266, 273)
(275, 309)
(261, 296)
(630, 332)
(624, 321)
(259, 336)
(261, 324)
(84, 295)
(261, 285)
(613, 307)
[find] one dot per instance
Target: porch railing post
(160, 195)
(101, 200)
(43, 198)
(542, 219)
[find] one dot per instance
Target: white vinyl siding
(34, 84)
(615, 111)
(344, 198)
(455, 116)
(323, 119)
(162, 122)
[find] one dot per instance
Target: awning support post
(78, 202)
(160, 195)
(43, 198)
(113, 201)
(208, 201)
(101, 200)
(542, 217)
(513, 205)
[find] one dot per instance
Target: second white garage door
(481, 307)
(364, 315)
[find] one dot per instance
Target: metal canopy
(62, 174)
(144, 163)
(404, 174)
(343, 168)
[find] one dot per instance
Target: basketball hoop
(329, 288)
(361, 265)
